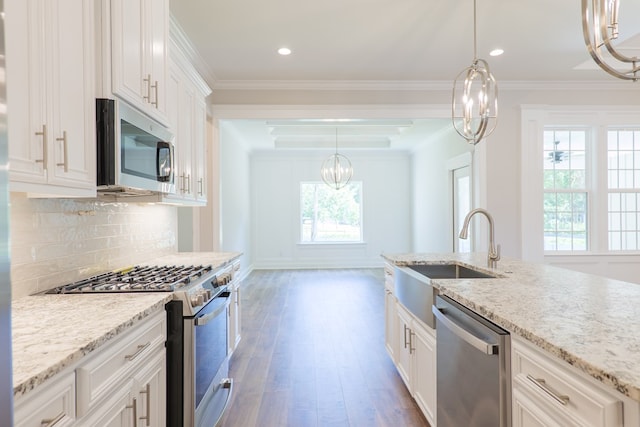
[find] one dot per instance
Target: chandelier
(336, 170)
(600, 29)
(474, 109)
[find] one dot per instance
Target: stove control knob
(197, 300)
(205, 294)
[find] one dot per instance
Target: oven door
(206, 384)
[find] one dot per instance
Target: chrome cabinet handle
(43, 134)
(411, 347)
(65, 153)
(134, 406)
(147, 392)
(200, 187)
(147, 80)
(188, 183)
(140, 349)
(182, 189)
(479, 344)
(52, 422)
(405, 335)
(155, 90)
(563, 399)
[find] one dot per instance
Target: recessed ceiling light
(496, 52)
(284, 51)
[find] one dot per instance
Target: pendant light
(474, 109)
(600, 29)
(336, 171)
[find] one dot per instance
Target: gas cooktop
(137, 279)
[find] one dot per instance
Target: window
(623, 167)
(575, 161)
(329, 215)
(565, 190)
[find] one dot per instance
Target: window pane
(624, 174)
(329, 215)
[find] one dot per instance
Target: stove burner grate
(136, 279)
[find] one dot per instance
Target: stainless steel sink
(449, 271)
(413, 285)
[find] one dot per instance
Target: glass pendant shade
(600, 29)
(336, 170)
(474, 107)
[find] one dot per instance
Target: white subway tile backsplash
(56, 241)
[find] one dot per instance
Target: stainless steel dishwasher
(474, 368)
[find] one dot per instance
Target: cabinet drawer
(103, 371)
(555, 387)
(51, 404)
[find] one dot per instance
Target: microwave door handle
(463, 334)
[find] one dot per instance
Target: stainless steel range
(198, 387)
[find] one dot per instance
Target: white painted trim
(412, 85)
(388, 111)
(179, 39)
(464, 159)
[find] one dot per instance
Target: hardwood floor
(312, 353)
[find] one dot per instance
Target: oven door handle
(203, 320)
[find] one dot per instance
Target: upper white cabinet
(51, 97)
(187, 111)
(139, 54)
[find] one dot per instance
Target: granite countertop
(53, 332)
(591, 322)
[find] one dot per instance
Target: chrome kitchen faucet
(494, 253)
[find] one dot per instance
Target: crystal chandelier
(474, 109)
(600, 29)
(336, 170)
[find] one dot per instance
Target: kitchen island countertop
(53, 332)
(591, 322)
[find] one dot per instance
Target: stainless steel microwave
(134, 153)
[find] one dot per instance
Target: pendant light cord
(475, 42)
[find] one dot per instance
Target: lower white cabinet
(51, 404)
(549, 392)
(390, 324)
(120, 385)
(235, 308)
(416, 360)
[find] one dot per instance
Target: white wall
(235, 196)
(432, 218)
(275, 178)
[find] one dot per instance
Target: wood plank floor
(312, 353)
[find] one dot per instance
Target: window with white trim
(329, 215)
(565, 190)
(575, 160)
(623, 173)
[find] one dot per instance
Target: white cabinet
(139, 54)
(549, 392)
(125, 380)
(186, 96)
(50, 404)
(416, 360)
(424, 369)
(235, 309)
(390, 314)
(51, 98)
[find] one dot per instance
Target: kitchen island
(589, 322)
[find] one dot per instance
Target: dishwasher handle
(460, 332)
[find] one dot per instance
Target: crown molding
(412, 85)
(180, 40)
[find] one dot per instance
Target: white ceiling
(389, 41)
